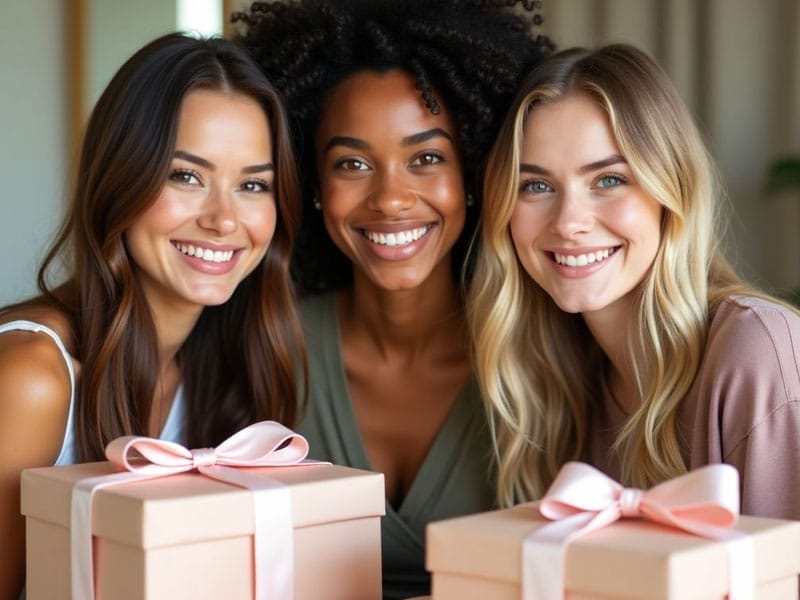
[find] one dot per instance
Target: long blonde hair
(539, 366)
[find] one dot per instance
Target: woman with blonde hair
(608, 326)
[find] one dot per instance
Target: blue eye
(536, 186)
(609, 181)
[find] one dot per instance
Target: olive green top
(455, 478)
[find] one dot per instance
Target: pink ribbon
(704, 502)
(263, 444)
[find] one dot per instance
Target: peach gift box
(479, 556)
(190, 537)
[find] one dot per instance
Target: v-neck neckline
(413, 502)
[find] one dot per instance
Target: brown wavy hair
(238, 364)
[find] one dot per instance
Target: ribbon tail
(741, 565)
(544, 552)
(274, 544)
(82, 561)
(273, 533)
(543, 571)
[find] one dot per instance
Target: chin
(578, 306)
(211, 298)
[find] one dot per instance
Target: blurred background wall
(736, 63)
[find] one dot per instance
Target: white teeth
(206, 254)
(402, 238)
(581, 260)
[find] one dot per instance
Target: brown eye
(352, 164)
(184, 176)
(426, 159)
(256, 186)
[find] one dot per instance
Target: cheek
(342, 197)
(163, 215)
(639, 216)
(260, 222)
(524, 226)
(449, 200)
(448, 190)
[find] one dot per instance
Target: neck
(412, 321)
(609, 328)
(172, 331)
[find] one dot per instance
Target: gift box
(479, 556)
(187, 536)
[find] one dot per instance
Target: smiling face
(212, 221)
(583, 227)
(390, 179)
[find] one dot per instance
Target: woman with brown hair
(176, 318)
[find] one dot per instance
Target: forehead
(369, 103)
(214, 118)
(573, 128)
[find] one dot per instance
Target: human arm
(768, 460)
(34, 399)
(750, 385)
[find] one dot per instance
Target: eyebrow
(424, 136)
(614, 159)
(411, 140)
(193, 158)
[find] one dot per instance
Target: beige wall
(737, 65)
(736, 62)
(115, 30)
(33, 136)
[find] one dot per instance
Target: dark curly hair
(471, 54)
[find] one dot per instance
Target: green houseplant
(783, 175)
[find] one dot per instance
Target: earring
(317, 204)
(470, 199)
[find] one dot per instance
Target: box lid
(190, 507)
(631, 558)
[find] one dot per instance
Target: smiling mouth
(581, 260)
(206, 254)
(399, 238)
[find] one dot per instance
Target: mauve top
(743, 408)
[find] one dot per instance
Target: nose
(391, 194)
(573, 215)
(218, 214)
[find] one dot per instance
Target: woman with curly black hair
(394, 105)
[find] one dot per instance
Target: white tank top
(173, 427)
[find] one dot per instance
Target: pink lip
(582, 250)
(216, 246)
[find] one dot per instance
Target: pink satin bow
(704, 502)
(263, 444)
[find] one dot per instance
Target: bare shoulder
(50, 317)
(35, 387)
